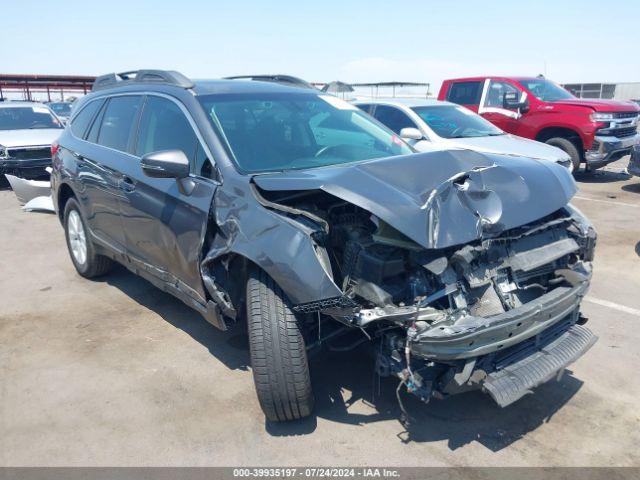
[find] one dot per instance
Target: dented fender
(279, 245)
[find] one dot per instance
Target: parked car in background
(429, 124)
(592, 131)
(634, 162)
(27, 130)
(298, 213)
(61, 109)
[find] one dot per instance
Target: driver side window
(163, 126)
(495, 93)
(393, 118)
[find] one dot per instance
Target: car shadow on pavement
(632, 187)
(230, 347)
(600, 176)
(348, 391)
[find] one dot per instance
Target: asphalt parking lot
(115, 372)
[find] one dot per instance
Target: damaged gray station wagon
(299, 214)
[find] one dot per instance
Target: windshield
(282, 131)
(36, 117)
(545, 90)
(456, 122)
(63, 109)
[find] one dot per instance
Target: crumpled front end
(509, 304)
(459, 265)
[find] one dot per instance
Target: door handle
(127, 184)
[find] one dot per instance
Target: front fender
(281, 247)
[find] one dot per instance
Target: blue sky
(326, 40)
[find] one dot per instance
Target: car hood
(510, 145)
(600, 105)
(441, 199)
(29, 137)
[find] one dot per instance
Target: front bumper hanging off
(515, 380)
(30, 169)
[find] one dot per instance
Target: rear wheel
(569, 147)
(82, 251)
(278, 352)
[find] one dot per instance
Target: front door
(492, 105)
(164, 228)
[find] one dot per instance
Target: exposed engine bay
(447, 319)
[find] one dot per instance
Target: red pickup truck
(592, 131)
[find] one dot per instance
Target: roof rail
(167, 77)
(288, 80)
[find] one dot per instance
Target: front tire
(568, 147)
(81, 249)
(278, 352)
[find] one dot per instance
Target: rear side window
(117, 122)
(393, 118)
(163, 126)
(465, 93)
(82, 120)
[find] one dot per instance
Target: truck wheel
(569, 147)
(81, 249)
(278, 352)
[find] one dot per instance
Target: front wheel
(278, 352)
(81, 249)
(568, 147)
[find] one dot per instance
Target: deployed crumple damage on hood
(441, 199)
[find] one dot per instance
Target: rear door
(466, 93)
(164, 228)
(99, 161)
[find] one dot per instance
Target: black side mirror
(511, 101)
(169, 164)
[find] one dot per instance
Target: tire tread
(278, 352)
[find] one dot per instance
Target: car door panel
(492, 109)
(164, 227)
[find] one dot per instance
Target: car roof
(212, 87)
(495, 77)
(405, 102)
(206, 87)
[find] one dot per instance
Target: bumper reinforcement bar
(517, 379)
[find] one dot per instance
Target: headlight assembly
(601, 117)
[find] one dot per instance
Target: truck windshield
(19, 118)
(456, 122)
(545, 90)
(267, 132)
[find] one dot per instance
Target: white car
(431, 124)
(27, 130)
